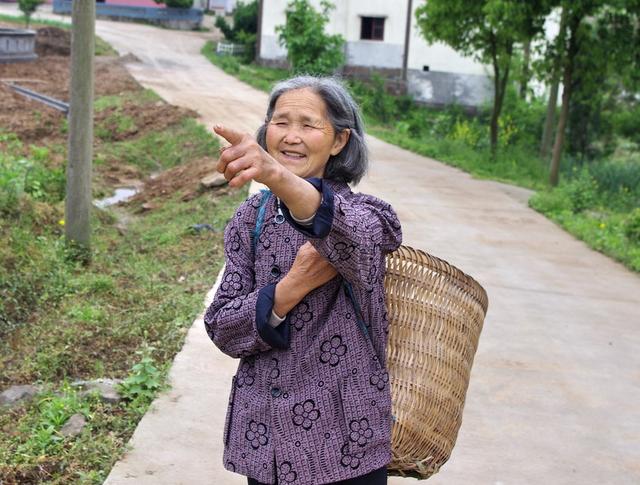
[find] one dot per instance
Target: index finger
(232, 136)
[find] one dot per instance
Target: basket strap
(348, 289)
(260, 219)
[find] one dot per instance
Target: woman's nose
(292, 136)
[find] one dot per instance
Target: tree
(176, 3)
(554, 51)
(309, 48)
(486, 30)
(28, 7)
(578, 11)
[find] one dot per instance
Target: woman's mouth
(293, 155)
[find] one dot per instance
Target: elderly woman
(301, 302)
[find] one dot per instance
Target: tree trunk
(572, 50)
(78, 197)
(495, 114)
(524, 80)
(499, 88)
(547, 134)
(550, 119)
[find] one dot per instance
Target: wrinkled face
(300, 135)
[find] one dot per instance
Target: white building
(375, 33)
(223, 7)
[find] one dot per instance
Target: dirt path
(556, 381)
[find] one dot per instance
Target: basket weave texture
(436, 313)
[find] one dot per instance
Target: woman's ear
(340, 141)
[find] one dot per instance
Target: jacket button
(275, 391)
(275, 271)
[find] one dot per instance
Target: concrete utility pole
(407, 38)
(78, 198)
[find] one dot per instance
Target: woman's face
(300, 135)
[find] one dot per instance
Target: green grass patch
(262, 78)
(123, 315)
(156, 150)
(141, 98)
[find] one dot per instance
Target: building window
(372, 28)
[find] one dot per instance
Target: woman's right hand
(308, 272)
(245, 160)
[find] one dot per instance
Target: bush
(632, 226)
(176, 3)
(244, 30)
(309, 48)
(582, 191)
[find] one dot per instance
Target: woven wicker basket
(436, 314)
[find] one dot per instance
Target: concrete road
(556, 383)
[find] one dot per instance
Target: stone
(74, 425)
(213, 180)
(16, 394)
(106, 387)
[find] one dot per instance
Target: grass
(262, 78)
(157, 151)
(102, 47)
(124, 315)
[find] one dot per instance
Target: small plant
(632, 226)
(28, 7)
(53, 412)
(144, 380)
(309, 48)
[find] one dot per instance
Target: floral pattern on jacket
(310, 402)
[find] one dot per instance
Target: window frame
(376, 26)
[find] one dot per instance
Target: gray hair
(352, 162)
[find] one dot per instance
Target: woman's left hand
(245, 159)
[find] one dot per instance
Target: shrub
(176, 3)
(309, 48)
(245, 28)
(582, 190)
(28, 7)
(632, 226)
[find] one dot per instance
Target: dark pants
(376, 477)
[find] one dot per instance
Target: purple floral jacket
(310, 402)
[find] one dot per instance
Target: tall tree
(578, 11)
(486, 30)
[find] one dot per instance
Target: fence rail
(228, 48)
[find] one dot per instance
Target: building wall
(436, 73)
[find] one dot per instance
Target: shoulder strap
(260, 218)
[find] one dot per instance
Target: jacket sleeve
(353, 232)
(237, 321)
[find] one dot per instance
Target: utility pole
(407, 37)
(259, 33)
(78, 197)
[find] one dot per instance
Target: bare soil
(36, 123)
